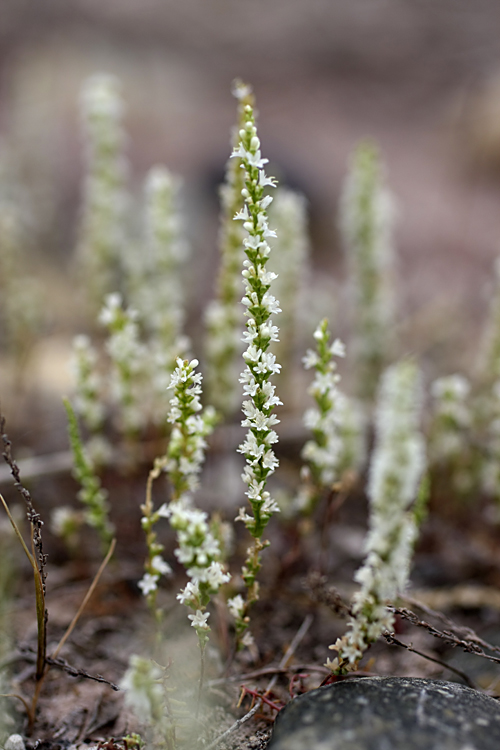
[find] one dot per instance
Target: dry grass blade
(85, 600)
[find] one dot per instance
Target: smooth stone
(389, 713)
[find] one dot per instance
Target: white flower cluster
(337, 443)
(367, 216)
(199, 550)
(451, 416)
(144, 692)
(223, 315)
(186, 450)
(129, 361)
(260, 333)
(157, 567)
(323, 452)
(105, 197)
(395, 473)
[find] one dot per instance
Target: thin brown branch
(33, 517)
(237, 724)
(265, 671)
(460, 630)
(448, 636)
(74, 672)
(393, 641)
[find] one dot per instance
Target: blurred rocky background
(421, 78)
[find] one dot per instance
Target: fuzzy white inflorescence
(367, 217)
(451, 415)
(288, 260)
(129, 362)
(323, 452)
(154, 277)
(395, 473)
(105, 197)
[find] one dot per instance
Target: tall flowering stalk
(199, 550)
(223, 314)
(366, 223)
(336, 443)
(260, 363)
(102, 235)
(396, 471)
(91, 494)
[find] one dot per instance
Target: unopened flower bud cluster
(452, 416)
(91, 494)
(88, 385)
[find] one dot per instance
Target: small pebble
(14, 742)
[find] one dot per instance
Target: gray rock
(389, 713)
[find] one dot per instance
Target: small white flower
(190, 593)
(161, 566)
(236, 606)
(248, 639)
(199, 620)
(216, 575)
(148, 583)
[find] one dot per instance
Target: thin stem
(85, 600)
(202, 677)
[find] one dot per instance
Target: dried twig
(470, 645)
(74, 672)
(33, 517)
(265, 671)
(291, 648)
(317, 585)
(392, 640)
(282, 668)
(461, 630)
(237, 724)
